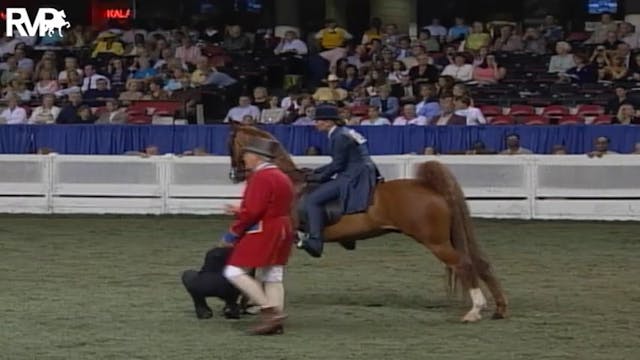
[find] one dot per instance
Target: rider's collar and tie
(332, 130)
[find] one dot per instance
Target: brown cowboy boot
(271, 322)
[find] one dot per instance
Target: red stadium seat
(535, 120)
(491, 110)
(555, 111)
(590, 110)
(571, 120)
(603, 119)
(502, 120)
(520, 110)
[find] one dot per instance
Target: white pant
(268, 274)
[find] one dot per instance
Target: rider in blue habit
(350, 177)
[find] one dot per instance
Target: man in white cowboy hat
(332, 93)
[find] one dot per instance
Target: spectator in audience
(374, 118)
(489, 71)
(244, 108)
(46, 64)
(445, 84)
(429, 106)
(513, 146)
(409, 117)
(450, 57)
(533, 42)
(85, 115)
(459, 31)
(626, 116)
(203, 69)
(404, 90)
(331, 93)
(77, 37)
(91, 78)
(261, 98)
(478, 38)
(144, 71)
(623, 51)
(388, 105)
(10, 70)
(179, 80)
(627, 33)
(404, 48)
(611, 42)
(601, 147)
(606, 25)
(236, 42)
(397, 71)
(107, 45)
(412, 60)
(478, 58)
(634, 68)
(291, 45)
(424, 72)
(47, 113)
(96, 97)
(13, 114)
(155, 91)
(461, 70)
(308, 118)
(559, 150)
(18, 88)
(430, 43)
(616, 71)
(46, 84)
(447, 115)
(563, 60)
(436, 29)
(620, 99)
(332, 40)
(582, 73)
(133, 93)
(473, 115)
(351, 80)
(69, 112)
(188, 53)
(71, 85)
(508, 41)
(273, 114)
(479, 148)
(390, 37)
(117, 74)
(374, 31)
(24, 63)
(113, 114)
(551, 31)
(312, 151)
(70, 65)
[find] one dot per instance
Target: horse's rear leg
(439, 244)
(496, 291)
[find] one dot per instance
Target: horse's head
(238, 138)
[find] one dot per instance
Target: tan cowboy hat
(107, 35)
(332, 78)
(261, 146)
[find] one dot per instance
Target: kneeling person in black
(210, 282)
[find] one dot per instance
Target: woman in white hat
(331, 93)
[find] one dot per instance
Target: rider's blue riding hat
(327, 112)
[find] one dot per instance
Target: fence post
(50, 163)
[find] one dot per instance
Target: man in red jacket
(262, 234)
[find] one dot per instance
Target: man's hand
(231, 209)
(228, 239)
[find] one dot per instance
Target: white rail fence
(523, 187)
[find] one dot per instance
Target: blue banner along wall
(383, 140)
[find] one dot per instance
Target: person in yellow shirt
(203, 69)
(107, 44)
(332, 39)
(478, 38)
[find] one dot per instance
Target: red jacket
(264, 223)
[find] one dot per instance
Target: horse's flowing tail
(437, 177)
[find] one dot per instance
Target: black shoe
(349, 244)
(312, 249)
(203, 312)
(231, 312)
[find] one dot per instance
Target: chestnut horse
(430, 208)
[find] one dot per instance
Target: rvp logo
(47, 21)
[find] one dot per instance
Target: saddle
(332, 210)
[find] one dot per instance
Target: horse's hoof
(471, 318)
(498, 316)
